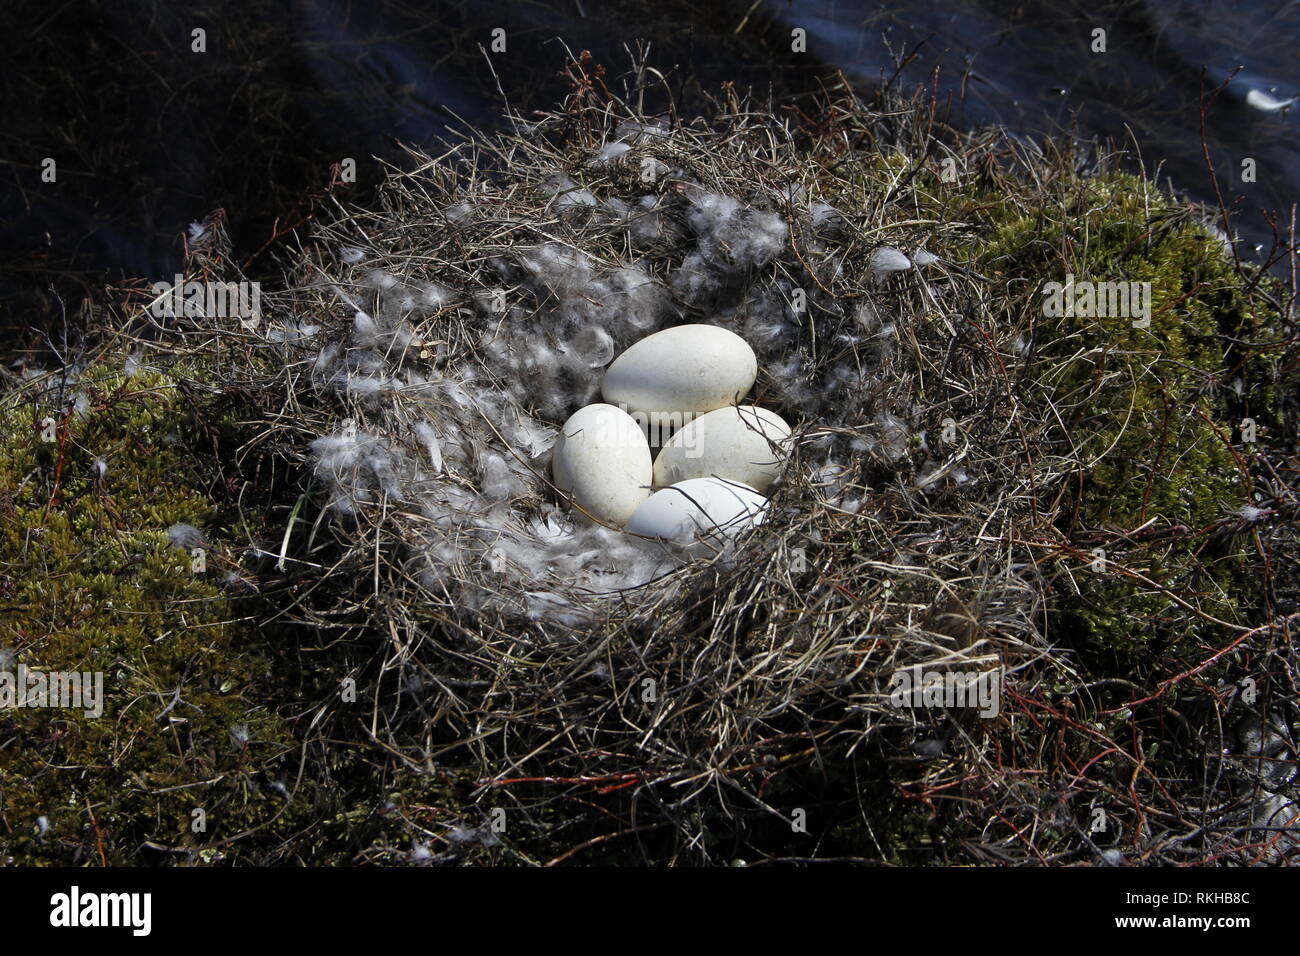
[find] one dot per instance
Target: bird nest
(552, 690)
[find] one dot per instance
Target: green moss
(202, 712)
(93, 584)
(1153, 410)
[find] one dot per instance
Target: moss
(1153, 410)
(93, 584)
(205, 712)
(204, 693)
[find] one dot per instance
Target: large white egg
(685, 369)
(602, 459)
(745, 444)
(699, 513)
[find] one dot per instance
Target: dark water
(1031, 67)
(150, 136)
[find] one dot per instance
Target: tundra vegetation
(394, 648)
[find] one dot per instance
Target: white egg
(699, 513)
(746, 444)
(603, 461)
(685, 369)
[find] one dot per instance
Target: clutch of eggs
(706, 482)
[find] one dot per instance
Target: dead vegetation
(624, 707)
